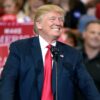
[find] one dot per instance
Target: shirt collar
(85, 56)
(44, 43)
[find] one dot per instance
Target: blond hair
(42, 10)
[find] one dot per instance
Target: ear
(39, 25)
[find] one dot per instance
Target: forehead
(93, 26)
(53, 14)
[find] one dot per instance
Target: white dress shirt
(43, 45)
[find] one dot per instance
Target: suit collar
(37, 56)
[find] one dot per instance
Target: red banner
(10, 32)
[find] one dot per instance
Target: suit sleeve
(85, 82)
(9, 75)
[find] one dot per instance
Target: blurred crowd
(81, 26)
(75, 10)
(77, 13)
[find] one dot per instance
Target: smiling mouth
(56, 28)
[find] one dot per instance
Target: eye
(7, 6)
(52, 18)
(61, 19)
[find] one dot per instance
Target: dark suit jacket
(22, 77)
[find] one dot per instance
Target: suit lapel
(37, 56)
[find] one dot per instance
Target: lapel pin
(61, 56)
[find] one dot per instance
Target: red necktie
(47, 87)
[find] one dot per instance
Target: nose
(97, 34)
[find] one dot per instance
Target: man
(91, 51)
(27, 74)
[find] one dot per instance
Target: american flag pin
(61, 56)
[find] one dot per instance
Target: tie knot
(49, 46)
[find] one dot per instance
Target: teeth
(56, 29)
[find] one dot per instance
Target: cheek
(62, 23)
(89, 36)
(47, 27)
(99, 37)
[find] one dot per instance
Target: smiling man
(32, 73)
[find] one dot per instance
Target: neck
(49, 39)
(91, 52)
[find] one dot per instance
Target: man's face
(51, 25)
(92, 35)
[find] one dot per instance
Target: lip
(56, 29)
